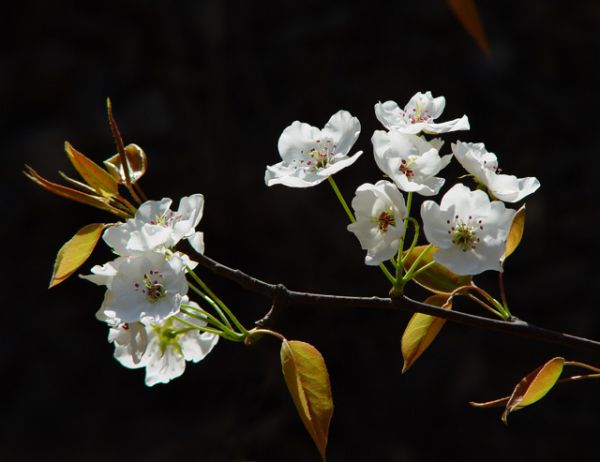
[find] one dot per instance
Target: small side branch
(282, 296)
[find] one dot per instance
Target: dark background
(206, 88)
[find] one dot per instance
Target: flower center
(464, 235)
(405, 167)
(417, 113)
(168, 219)
(168, 335)
(493, 166)
(151, 286)
(385, 220)
(316, 158)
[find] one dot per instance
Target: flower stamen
(154, 290)
(384, 221)
(464, 235)
(405, 167)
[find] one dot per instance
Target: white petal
(437, 106)
(435, 224)
(102, 275)
(297, 137)
(288, 176)
(382, 252)
(464, 200)
(475, 159)
(464, 262)
(162, 367)
(130, 344)
(117, 237)
(445, 127)
(191, 208)
(509, 188)
(389, 114)
(196, 240)
(149, 237)
(150, 210)
(196, 346)
(343, 129)
(338, 165)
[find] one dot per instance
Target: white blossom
(418, 115)
(380, 211)
(170, 346)
(410, 161)
(149, 285)
(130, 340)
(161, 347)
(156, 227)
(483, 165)
(310, 155)
(469, 231)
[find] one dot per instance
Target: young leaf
(137, 160)
(436, 278)
(94, 175)
(515, 234)
(307, 380)
(75, 252)
(466, 12)
(530, 389)
(73, 194)
(421, 331)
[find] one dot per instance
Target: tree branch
(282, 296)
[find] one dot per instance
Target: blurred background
(206, 88)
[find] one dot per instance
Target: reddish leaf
(75, 252)
(307, 380)
(73, 194)
(466, 12)
(436, 278)
(421, 331)
(530, 389)
(94, 175)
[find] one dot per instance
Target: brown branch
(282, 296)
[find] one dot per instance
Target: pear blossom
(410, 161)
(483, 165)
(469, 231)
(130, 340)
(380, 211)
(149, 285)
(162, 348)
(418, 115)
(171, 344)
(156, 227)
(310, 155)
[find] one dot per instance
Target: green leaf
(436, 278)
(94, 175)
(421, 331)
(515, 234)
(466, 12)
(137, 160)
(307, 380)
(75, 252)
(530, 389)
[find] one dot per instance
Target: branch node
(279, 301)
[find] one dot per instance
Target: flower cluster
(467, 231)
(146, 290)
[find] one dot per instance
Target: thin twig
(121, 150)
(512, 326)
